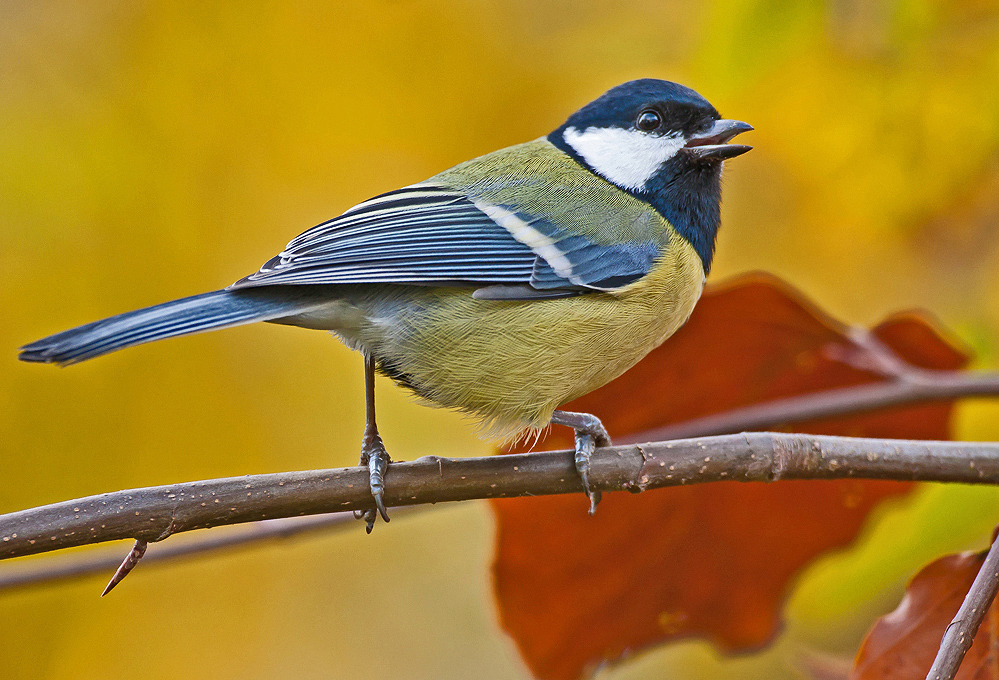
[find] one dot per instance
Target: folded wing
(428, 235)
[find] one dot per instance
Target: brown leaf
(712, 561)
(903, 644)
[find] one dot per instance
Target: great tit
(503, 287)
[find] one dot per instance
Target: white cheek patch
(627, 158)
(530, 237)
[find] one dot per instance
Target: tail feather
(208, 311)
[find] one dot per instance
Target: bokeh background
(151, 150)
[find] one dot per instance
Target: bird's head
(663, 143)
(630, 134)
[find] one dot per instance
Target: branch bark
(154, 513)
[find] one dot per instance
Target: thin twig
(961, 632)
(151, 514)
(929, 386)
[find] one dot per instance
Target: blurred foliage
(153, 150)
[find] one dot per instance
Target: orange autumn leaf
(713, 561)
(903, 644)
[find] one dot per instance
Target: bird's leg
(373, 453)
(590, 433)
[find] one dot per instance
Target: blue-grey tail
(208, 311)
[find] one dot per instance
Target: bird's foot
(374, 455)
(590, 433)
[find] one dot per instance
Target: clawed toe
(590, 433)
(585, 444)
(374, 455)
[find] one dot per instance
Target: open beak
(711, 145)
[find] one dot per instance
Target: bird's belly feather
(511, 363)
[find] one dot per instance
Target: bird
(503, 287)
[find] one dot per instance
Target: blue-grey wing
(426, 235)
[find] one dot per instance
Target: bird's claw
(590, 433)
(585, 444)
(374, 455)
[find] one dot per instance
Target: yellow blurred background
(152, 150)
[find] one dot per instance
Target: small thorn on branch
(127, 565)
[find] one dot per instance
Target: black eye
(648, 121)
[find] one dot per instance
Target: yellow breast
(510, 364)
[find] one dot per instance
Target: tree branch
(154, 513)
(907, 384)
